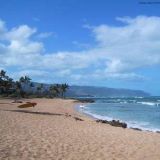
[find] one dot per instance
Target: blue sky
(103, 43)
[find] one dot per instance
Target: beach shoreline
(55, 130)
(105, 119)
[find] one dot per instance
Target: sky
(82, 42)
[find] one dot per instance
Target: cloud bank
(118, 53)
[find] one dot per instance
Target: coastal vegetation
(25, 88)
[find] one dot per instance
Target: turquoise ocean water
(138, 112)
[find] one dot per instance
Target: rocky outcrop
(115, 123)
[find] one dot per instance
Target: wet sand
(51, 131)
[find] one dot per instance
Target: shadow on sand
(31, 112)
(45, 113)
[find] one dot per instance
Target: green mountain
(92, 91)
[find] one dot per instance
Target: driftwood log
(27, 105)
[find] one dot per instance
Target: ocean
(137, 112)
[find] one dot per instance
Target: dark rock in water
(115, 123)
(137, 129)
(157, 131)
(85, 100)
(118, 124)
(102, 121)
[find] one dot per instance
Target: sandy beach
(54, 130)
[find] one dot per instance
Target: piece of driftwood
(78, 119)
(27, 105)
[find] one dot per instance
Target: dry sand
(45, 133)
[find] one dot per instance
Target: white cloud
(44, 35)
(32, 73)
(2, 29)
(119, 51)
(81, 45)
(133, 45)
(22, 32)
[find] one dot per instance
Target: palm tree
(22, 80)
(25, 79)
(9, 85)
(41, 85)
(64, 88)
(31, 84)
(39, 88)
(2, 74)
(55, 90)
(2, 79)
(6, 83)
(18, 90)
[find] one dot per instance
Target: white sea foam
(123, 102)
(145, 126)
(139, 97)
(96, 116)
(149, 103)
(141, 123)
(82, 106)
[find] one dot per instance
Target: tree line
(25, 88)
